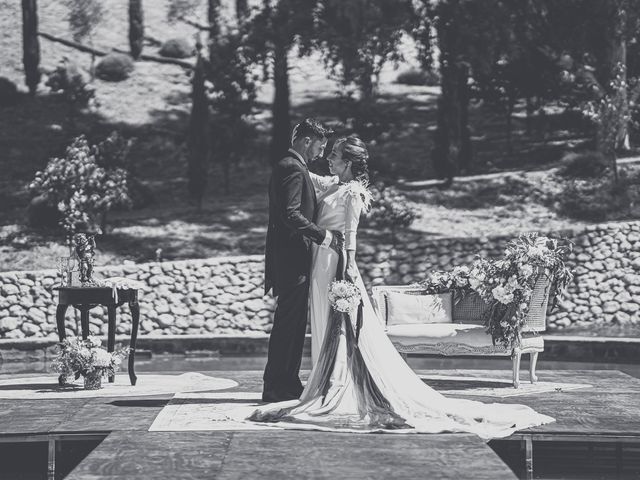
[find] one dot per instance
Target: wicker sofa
(465, 335)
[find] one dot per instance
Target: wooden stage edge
(605, 413)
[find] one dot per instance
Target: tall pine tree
(136, 28)
(30, 44)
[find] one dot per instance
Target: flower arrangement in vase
(506, 284)
(77, 357)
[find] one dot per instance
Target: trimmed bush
(177, 48)
(416, 76)
(8, 92)
(115, 67)
(589, 164)
(72, 82)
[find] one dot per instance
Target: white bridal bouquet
(344, 296)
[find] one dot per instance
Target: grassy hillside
(153, 105)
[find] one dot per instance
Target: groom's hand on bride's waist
(337, 241)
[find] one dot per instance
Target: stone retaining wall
(224, 295)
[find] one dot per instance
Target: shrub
(584, 165)
(115, 67)
(8, 92)
(113, 152)
(177, 48)
(73, 83)
(83, 191)
(416, 76)
(593, 199)
(390, 210)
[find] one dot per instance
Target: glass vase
(93, 380)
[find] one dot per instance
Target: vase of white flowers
(93, 380)
(78, 357)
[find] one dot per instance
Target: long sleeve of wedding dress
(321, 184)
(365, 385)
(353, 210)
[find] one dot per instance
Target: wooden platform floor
(610, 411)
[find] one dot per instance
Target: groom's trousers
(286, 343)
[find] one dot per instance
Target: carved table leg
(515, 356)
(60, 311)
(533, 359)
(135, 317)
(111, 333)
(84, 320)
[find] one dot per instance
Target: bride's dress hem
(367, 381)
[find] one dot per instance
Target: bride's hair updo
(355, 151)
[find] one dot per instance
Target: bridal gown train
(367, 386)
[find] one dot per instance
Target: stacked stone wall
(225, 295)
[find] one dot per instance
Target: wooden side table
(86, 298)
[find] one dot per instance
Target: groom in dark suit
(292, 228)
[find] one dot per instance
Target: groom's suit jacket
(292, 228)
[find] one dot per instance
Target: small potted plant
(77, 357)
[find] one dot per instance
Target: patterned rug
(47, 386)
(493, 387)
(225, 410)
(209, 411)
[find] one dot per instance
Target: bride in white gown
(365, 385)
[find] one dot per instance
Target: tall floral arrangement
(506, 285)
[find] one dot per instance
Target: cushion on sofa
(473, 336)
(403, 309)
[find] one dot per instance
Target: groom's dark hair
(310, 127)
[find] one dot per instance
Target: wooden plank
(35, 416)
(114, 414)
(333, 456)
(156, 455)
(300, 455)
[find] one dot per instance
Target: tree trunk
(213, 17)
(510, 107)
(198, 135)
(136, 28)
(366, 84)
(30, 45)
(464, 132)
(530, 109)
(280, 140)
(617, 53)
(612, 130)
(242, 10)
(452, 150)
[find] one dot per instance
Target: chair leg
(533, 359)
(515, 356)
